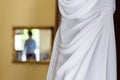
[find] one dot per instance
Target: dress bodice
(81, 8)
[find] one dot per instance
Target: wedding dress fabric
(84, 46)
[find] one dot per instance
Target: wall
(22, 13)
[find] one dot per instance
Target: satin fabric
(84, 46)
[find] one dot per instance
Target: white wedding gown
(84, 46)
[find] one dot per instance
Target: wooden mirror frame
(39, 27)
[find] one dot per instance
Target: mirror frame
(38, 27)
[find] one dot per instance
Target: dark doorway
(117, 32)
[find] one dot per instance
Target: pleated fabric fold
(84, 46)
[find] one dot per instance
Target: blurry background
(22, 13)
(32, 13)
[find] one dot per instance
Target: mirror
(32, 44)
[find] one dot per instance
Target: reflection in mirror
(32, 44)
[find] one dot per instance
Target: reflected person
(30, 46)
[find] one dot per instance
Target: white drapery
(84, 47)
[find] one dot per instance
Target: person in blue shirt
(30, 46)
